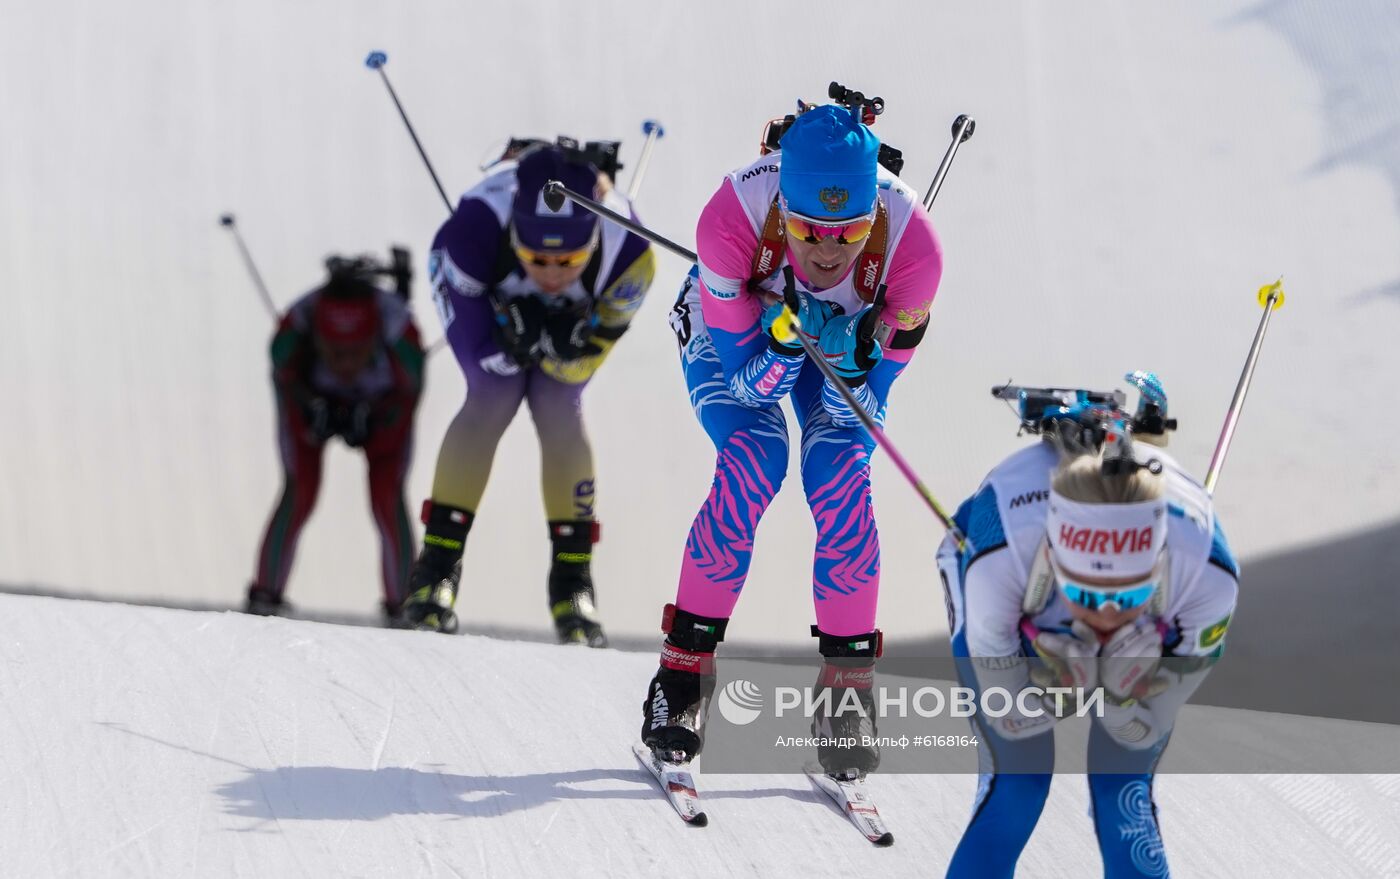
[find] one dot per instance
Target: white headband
(1106, 540)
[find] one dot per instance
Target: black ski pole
(376, 61)
(555, 193)
(229, 223)
(963, 126)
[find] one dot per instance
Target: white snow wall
(1138, 171)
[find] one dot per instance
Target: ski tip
(884, 840)
(703, 820)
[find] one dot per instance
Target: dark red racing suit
(374, 411)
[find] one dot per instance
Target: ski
(852, 797)
(676, 783)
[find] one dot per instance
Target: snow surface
(151, 742)
(1144, 165)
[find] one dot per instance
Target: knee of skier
(559, 423)
(840, 481)
(486, 414)
(301, 486)
(754, 465)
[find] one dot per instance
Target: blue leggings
(1015, 781)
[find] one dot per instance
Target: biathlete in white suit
(1089, 560)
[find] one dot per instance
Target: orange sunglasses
(546, 259)
(812, 231)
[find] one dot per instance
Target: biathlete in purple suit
(531, 301)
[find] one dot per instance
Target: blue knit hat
(829, 164)
(535, 224)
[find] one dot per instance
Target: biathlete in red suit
(347, 361)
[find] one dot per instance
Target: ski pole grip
(785, 327)
(376, 60)
(651, 125)
(1271, 295)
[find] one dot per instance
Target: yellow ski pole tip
(785, 327)
(1269, 290)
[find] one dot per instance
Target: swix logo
(1030, 497)
(872, 269)
(869, 275)
(771, 378)
(660, 709)
(754, 172)
(1099, 540)
(766, 256)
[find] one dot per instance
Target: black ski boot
(571, 583)
(392, 615)
(260, 602)
(847, 715)
(432, 584)
(678, 698)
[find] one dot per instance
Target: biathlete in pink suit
(822, 215)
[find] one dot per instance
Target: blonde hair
(1080, 477)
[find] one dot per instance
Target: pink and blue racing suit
(736, 382)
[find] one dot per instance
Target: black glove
(567, 335)
(353, 423)
(319, 418)
(519, 323)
